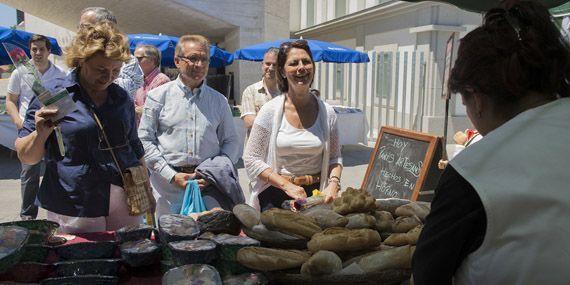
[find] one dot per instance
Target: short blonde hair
(191, 38)
(102, 38)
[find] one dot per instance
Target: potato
(341, 240)
(404, 224)
(360, 221)
(384, 221)
(323, 262)
(413, 209)
(270, 259)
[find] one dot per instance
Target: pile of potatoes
(354, 235)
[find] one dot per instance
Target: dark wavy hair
(284, 50)
(516, 52)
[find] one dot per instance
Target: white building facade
(402, 84)
(226, 23)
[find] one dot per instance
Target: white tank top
(300, 151)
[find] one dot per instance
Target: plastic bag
(192, 202)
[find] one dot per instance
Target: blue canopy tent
(20, 39)
(167, 44)
(322, 51)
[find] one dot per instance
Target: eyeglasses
(124, 140)
(194, 59)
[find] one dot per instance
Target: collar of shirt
(150, 77)
(45, 72)
(259, 86)
(73, 86)
(187, 91)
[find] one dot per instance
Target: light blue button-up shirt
(181, 127)
(131, 77)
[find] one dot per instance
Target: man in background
(18, 99)
(259, 93)
(131, 76)
(149, 58)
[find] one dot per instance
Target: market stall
(360, 243)
(355, 239)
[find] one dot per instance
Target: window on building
(310, 13)
(339, 8)
(383, 74)
(339, 81)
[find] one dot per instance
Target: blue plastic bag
(192, 202)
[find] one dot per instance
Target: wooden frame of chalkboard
(400, 140)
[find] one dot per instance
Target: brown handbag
(135, 182)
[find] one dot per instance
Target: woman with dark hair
(293, 147)
(500, 213)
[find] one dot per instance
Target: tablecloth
(352, 125)
(8, 132)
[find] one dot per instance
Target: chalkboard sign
(399, 163)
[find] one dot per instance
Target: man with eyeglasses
(131, 76)
(185, 124)
(148, 57)
(18, 98)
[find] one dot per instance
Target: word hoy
(400, 143)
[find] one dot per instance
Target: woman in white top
(293, 147)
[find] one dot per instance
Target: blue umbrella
(20, 39)
(167, 44)
(322, 51)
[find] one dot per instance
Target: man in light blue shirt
(184, 123)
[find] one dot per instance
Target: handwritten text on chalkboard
(396, 167)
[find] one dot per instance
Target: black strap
(77, 89)
(98, 122)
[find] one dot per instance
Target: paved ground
(355, 161)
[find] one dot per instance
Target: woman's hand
(331, 191)
(294, 191)
(44, 124)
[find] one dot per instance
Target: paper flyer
(53, 99)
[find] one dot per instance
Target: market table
(8, 132)
(352, 125)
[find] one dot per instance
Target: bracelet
(335, 181)
(334, 177)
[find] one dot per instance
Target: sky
(7, 16)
